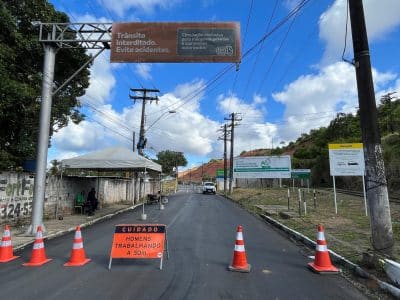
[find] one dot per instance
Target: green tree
(21, 64)
(171, 159)
(55, 168)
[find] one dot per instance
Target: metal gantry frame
(75, 35)
(55, 36)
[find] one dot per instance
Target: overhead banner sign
(176, 42)
(346, 159)
(138, 241)
(301, 173)
(262, 167)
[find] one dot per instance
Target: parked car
(209, 187)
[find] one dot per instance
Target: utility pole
(43, 139)
(133, 141)
(142, 140)
(376, 184)
(233, 117)
(225, 139)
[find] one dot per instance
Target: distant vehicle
(209, 187)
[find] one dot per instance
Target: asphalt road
(201, 238)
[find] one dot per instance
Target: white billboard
(346, 159)
(262, 167)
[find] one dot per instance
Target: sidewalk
(55, 227)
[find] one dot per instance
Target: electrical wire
(191, 96)
(276, 54)
(113, 119)
(259, 50)
(243, 44)
(345, 35)
(106, 127)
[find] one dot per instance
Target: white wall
(16, 193)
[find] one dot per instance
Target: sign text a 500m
(176, 42)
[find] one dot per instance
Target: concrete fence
(16, 193)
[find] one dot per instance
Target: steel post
(43, 140)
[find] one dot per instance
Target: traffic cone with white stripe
(6, 249)
(38, 257)
(239, 261)
(322, 261)
(78, 257)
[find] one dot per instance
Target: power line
(260, 49)
(276, 54)
(221, 73)
(112, 120)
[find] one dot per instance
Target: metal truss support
(55, 36)
(76, 35)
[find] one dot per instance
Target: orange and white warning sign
(138, 241)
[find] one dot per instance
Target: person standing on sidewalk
(92, 200)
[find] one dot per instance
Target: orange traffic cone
(322, 261)
(78, 257)
(6, 249)
(239, 261)
(38, 257)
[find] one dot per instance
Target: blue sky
(292, 82)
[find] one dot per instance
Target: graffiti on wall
(16, 195)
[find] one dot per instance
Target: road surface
(201, 238)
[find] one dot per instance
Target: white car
(209, 187)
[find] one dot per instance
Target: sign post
(139, 241)
(347, 160)
(302, 174)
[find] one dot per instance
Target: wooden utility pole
(225, 139)
(376, 184)
(142, 141)
(233, 117)
(225, 157)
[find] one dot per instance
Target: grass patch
(348, 232)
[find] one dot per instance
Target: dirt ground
(348, 232)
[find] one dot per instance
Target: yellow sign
(345, 146)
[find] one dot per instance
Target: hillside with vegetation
(310, 150)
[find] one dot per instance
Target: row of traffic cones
(321, 264)
(39, 257)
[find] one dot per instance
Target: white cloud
(312, 100)
(186, 130)
(381, 18)
(252, 132)
(143, 70)
(231, 103)
(123, 7)
(76, 138)
(102, 80)
(291, 4)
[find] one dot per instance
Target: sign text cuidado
(176, 42)
(138, 241)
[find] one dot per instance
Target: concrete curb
(83, 225)
(336, 257)
(394, 291)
